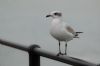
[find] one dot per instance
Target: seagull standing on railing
(61, 31)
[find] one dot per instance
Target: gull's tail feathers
(77, 34)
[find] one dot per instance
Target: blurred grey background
(23, 21)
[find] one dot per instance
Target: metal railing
(35, 52)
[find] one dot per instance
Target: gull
(61, 31)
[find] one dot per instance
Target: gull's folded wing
(71, 30)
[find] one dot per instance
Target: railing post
(34, 58)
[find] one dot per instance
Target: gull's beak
(48, 15)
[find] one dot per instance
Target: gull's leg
(66, 48)
(59, 50)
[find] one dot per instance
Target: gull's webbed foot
(65, 53)
(60, 54)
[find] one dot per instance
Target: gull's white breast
(59, 31)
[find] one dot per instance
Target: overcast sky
(23, 21)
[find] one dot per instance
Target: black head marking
(57, 14)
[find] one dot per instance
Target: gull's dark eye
(57, 14)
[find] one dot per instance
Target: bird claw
(60, 54)
(65, 53)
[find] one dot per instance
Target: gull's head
(55, 14)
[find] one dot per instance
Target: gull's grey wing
(71, 30)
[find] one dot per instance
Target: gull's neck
(57, 20)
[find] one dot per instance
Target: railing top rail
(44, 53)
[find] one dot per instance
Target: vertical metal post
(34, 58)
